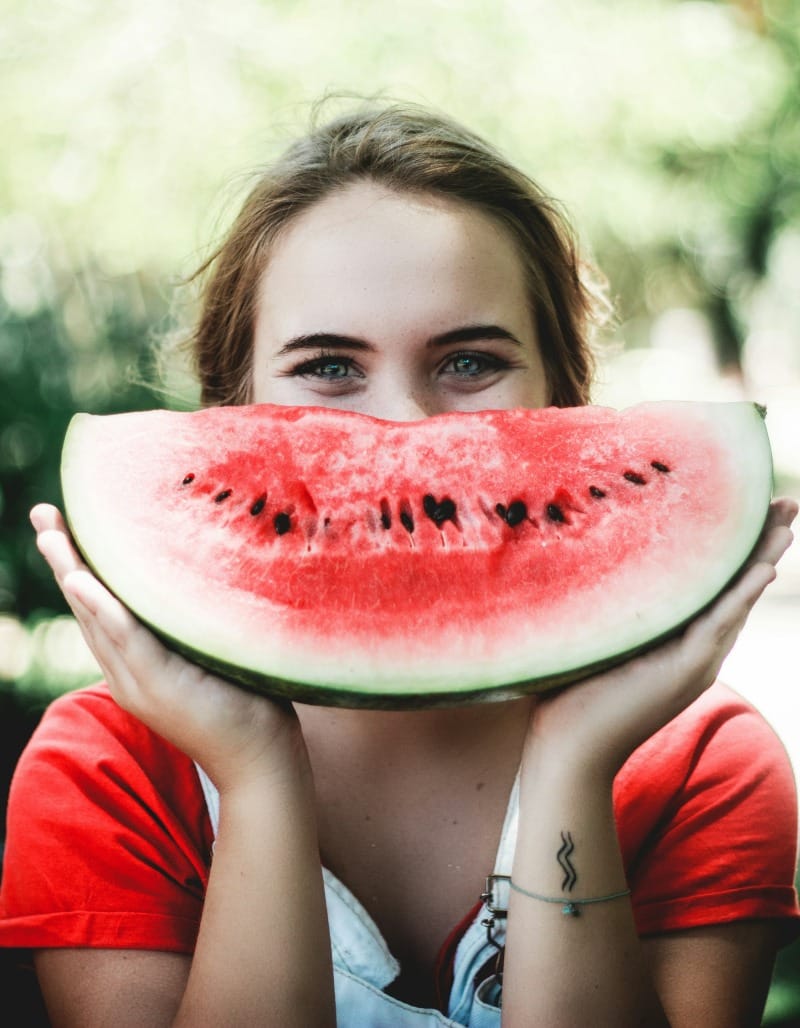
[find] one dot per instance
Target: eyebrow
(464, 334)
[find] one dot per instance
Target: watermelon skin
(330, 557)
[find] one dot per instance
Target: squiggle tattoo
(570, 875)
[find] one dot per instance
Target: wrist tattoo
(563, 855)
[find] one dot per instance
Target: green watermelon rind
(425, 695)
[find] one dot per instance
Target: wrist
(556, 763)
(276, 761)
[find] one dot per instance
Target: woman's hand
(577, 741)
(601, 721)
(265, 892)
(233, 734)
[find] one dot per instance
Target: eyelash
(314, 366)
(490, 361)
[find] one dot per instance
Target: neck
(367, 739)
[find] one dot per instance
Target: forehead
(369, 247)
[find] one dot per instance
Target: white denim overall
(363, 965)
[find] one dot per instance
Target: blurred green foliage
(670, 129)
(80, 350)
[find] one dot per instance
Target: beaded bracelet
(569, 907)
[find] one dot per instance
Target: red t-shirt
(109, 840)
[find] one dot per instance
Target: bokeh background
(670, 130)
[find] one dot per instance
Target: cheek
(530, 388)
(531, 391)
(263, 388)
(539, 392)
(273, 390)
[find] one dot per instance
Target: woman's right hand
(264, 912)
(233, 734)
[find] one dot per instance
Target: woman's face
(395, 305)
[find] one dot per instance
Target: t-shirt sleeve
(707, 818)
(108, 842)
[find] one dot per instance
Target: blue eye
(330, 369)
(470, 365)
(467, 365)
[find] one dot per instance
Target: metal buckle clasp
(496, 910)
(488, 895)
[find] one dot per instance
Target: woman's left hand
(602, 720)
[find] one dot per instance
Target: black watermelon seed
(386, 515)
(438, 511)
(516, 513)
(282, 523)
(258, 506)
(555, 513)
(659, 467)
(406, 521)
(189, 478)
(597, 493)
(501, 511)
(222, 496)
(632, 476)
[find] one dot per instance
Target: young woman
(182, 852)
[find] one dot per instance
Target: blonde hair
(408, 149)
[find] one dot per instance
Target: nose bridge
(402, 396)
(402, 406)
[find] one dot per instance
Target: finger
(93, 636)
(124, 644)
(776, 535)
(785, 508)
(44, 516)
(107, 626)
(782, 511)
(95, 611)
(56, 548)
(135, 663)
(118, 676)
(97, 640)
(111, 616)
(773, 545)
(710, 637)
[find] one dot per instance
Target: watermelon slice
(335, 558)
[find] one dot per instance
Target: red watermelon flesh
(338, 558)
